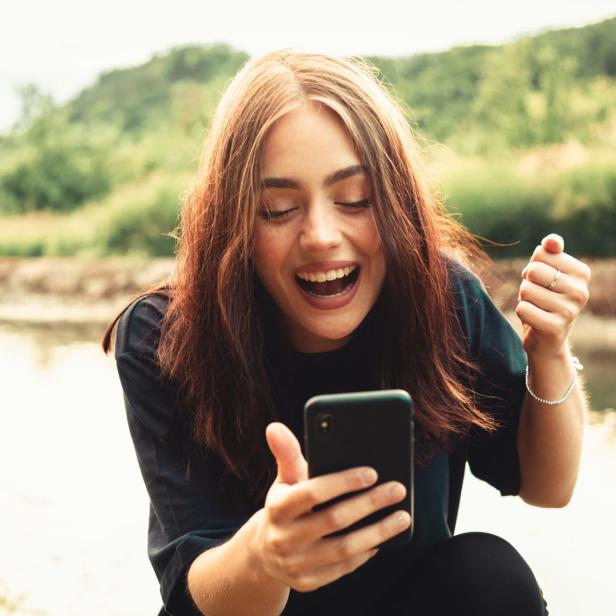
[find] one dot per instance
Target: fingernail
(397, 490)
(401, 519)
(369, 475)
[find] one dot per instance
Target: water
(74, 507)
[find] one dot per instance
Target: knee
(485, 573)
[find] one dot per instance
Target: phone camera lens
(324, 425)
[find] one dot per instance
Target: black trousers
(472, 573)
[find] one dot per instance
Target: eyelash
(273, 215)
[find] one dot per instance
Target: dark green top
(190, 513)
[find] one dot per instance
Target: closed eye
(267, 214)
(364, 203)
(275, 214)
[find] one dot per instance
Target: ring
(552, 284)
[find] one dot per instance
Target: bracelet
(576, 365)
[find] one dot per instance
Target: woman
(313, 259)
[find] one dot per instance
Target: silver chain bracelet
(576, 365)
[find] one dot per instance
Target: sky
(63, 45)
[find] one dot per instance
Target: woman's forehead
(305, 132)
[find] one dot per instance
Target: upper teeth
(328, 275)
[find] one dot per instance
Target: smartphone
(368, 428)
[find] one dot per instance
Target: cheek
(372, 244)
(374, 247)
(269, 253)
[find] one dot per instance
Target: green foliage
(503, 97)
(139, 99)
(34, 103)
(143, 228)
(57, 167)
(439, 88)
(18, 246)
(516, 95)
(503, 205)
(593, 46)
(136, 219)
(102, 174)
(55, 178)
(495, 205)
(586, 210)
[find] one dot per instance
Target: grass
(519, 199)
(133, 220)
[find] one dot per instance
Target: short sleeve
(190, 508)
(497, 349)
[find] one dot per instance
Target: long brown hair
(212, 342)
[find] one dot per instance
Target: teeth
(329, 275)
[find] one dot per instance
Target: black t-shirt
(191, 512)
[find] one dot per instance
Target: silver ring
(552, 284)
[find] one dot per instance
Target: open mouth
(329, 288)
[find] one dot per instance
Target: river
(74, 508)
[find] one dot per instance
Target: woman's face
(317, 249)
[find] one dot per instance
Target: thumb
(292, 466)
(553, 243)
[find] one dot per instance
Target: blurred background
(103, 109)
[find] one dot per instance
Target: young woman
(314, 259)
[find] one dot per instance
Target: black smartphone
(368, 428)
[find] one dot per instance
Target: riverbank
(69, 290)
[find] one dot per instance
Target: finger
(292, 466)
(566, 297)
(553, 243)
(547, 323)
(301, 498)
(339, 549)
(559, 303)
(544, 275)
(345, 513)
(330, 573)
(562, 261)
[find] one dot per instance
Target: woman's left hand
(553, 292)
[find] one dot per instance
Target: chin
(335, 335)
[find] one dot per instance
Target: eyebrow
(332, 178)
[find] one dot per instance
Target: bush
(56, 166)
(505, 206)
(142, 228)
(56, 178)
(133, 220)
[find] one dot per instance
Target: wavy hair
(213, 334)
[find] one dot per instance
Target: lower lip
(331, 303)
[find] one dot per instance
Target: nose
(320, 231)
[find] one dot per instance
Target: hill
(508, 121)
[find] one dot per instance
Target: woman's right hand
(289, 542)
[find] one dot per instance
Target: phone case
(372, 428)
